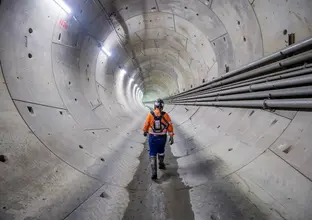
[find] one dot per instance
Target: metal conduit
(276, 81)
(300, 46)
(292, 82)
(274, 76)
(286, 63)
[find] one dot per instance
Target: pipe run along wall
(70, 119)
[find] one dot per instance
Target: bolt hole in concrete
(3, 158)
(224, 38)
(102, 159)
(244, 38)
(285, 32)
(30, 110)
(61, 112)
(30, 30)
(80, 146)
(3, 206)
(59, 37)
(29, 55)
(291, 38)
(238, 22)
(230, 149)
(286, 151)
(204, 81)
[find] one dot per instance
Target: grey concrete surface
(71, 145)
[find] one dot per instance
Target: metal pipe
(299, 92)
(297, 71)
(305, 104)
(291, 82)
(276, 65)
(274, 78)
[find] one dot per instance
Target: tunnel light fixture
(123, 71)
(63, 5)
(106, 51)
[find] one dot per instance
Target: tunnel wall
(70, 128)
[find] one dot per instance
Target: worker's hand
(171, 141)
(145, 134)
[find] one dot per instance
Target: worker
(157, 125)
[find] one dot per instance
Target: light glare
(123, 71)
(63, 5)
(106, 51)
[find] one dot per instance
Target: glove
(171, 141)
(145, 133)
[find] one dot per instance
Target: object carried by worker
(157, 125)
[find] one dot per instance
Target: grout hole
(227, 68)
(214, 43)
(30, 109)
(102, 159)
(197, 14)
(59, 37)
(218, 126)
(87, 65)
(291, 38)
(244, 38)
(224, 38)
(127, 8)
(286, 151)
(80, 146)
(17, 77)
(285, 32)
(204, 81)
(185, 7)
(93, 132)
(75, 100)
(191, 86)
(30, 30)
(88, 79)
(29, 55)
(3, 206)
(230, 113)
(69, 83)
(61, 112)
(230, 149)
(3, 158)
(238, 22)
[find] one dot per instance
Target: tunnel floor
(158, 199)
(169, 198)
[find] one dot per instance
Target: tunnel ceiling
(171, 46)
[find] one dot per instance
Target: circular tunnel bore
(88, 159)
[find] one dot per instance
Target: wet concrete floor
(151, 200)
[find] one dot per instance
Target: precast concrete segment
(71, 138)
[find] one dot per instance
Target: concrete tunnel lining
(70, 122)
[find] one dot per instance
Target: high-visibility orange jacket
(149, 122)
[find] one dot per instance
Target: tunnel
(78, 78)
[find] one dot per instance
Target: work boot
(161, 164)
(153, 162)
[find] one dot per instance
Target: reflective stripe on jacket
(149, 122)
